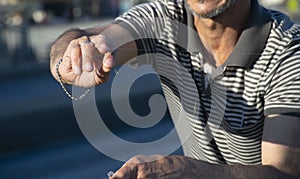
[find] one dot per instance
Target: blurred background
(39, 135)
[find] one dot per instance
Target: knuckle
(139, 157)
(73, 51)
(142, 171)
(87, 47)
(73, 43)
(84, 38)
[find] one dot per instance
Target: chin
(204, 9)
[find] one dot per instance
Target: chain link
(63, 86)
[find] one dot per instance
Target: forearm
(121, 40)
(199, 169)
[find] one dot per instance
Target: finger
(73, 54)
(126, 172)
(87, 49)
(107, 64)
(101, 43)
(66, 64)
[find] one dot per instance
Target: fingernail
(77, 70)
(110, 174)
(109, 62)
(88, 67)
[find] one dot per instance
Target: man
(243, 59)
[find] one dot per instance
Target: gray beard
(214, 12)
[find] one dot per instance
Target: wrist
(192, 168)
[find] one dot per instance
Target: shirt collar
(250, 44)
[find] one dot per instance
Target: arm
(281, 143)
(134, 26)
(280, 159)
(76, 54)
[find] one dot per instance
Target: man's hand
(157, 166)
(87, 61)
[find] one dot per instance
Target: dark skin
(280, 141)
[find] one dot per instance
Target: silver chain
(63, 86)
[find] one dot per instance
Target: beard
(213, 13)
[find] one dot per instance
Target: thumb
(108, 63)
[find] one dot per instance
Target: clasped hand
(157, 166)
(87, 61)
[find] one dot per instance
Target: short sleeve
(283, 89)
(142, 22)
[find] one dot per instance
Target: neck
(220, 34)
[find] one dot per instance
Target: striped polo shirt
(219, 111)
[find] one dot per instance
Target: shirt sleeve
(283, 89)
(144, 23)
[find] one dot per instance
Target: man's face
(208, 8)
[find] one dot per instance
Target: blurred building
(27, 27)
(290, 7)
(56, 11)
